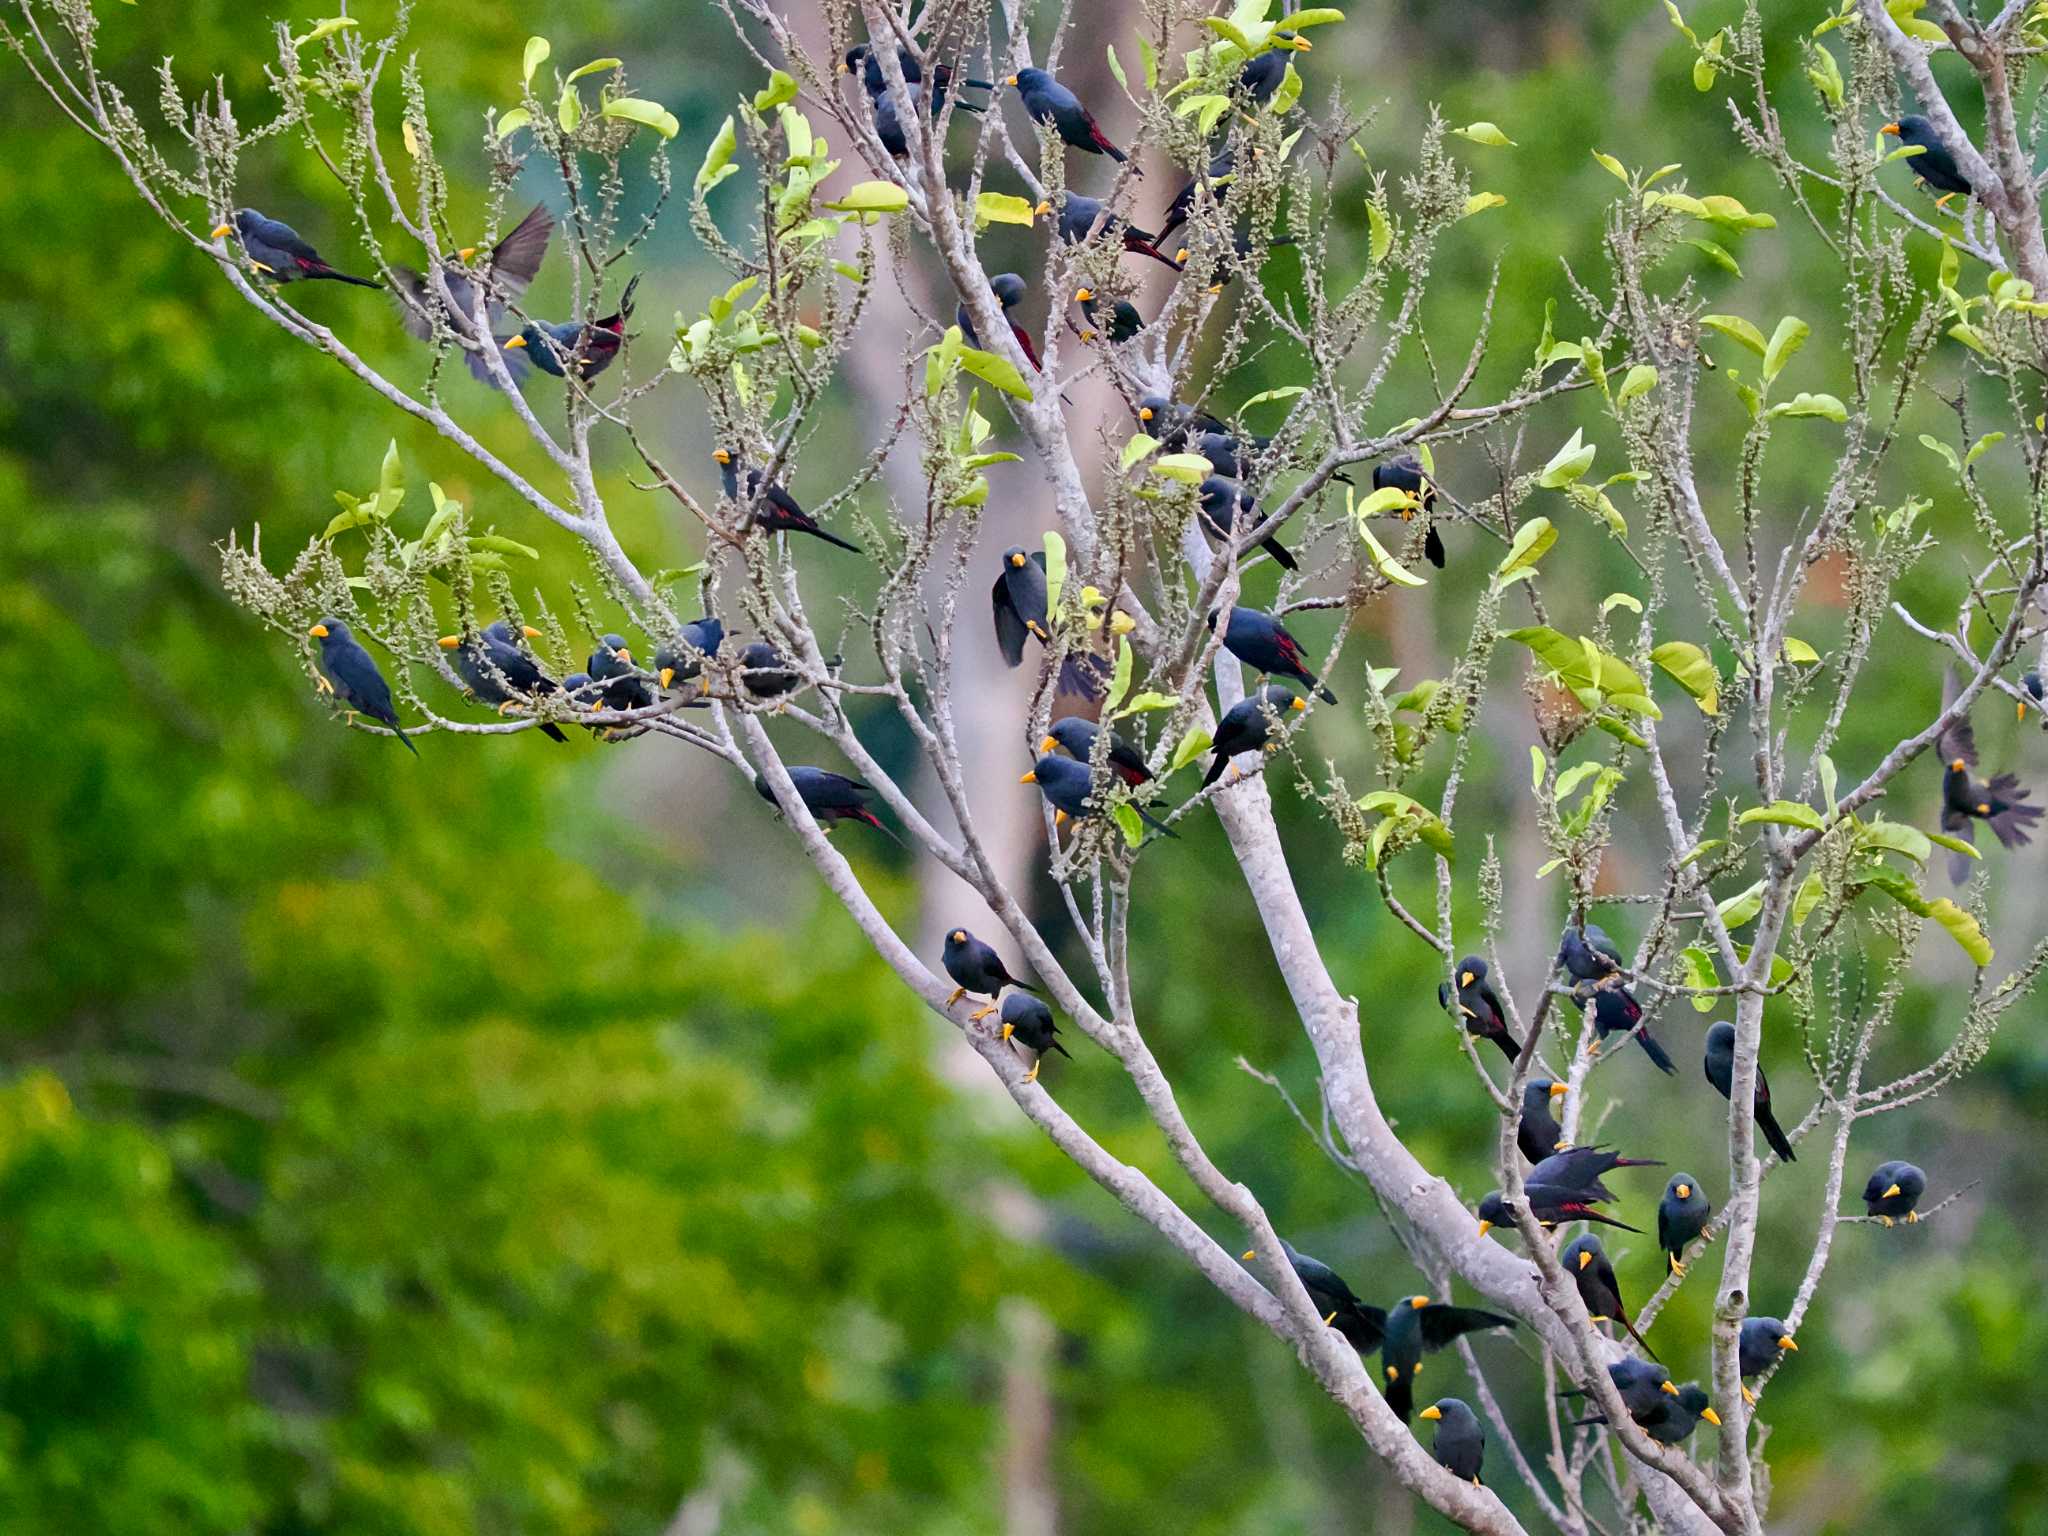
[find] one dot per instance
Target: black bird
(1963, 799)
(1616, 1011)
(1223, 271)
(1247, 726)
(276, 250)
(685, 659)
(1590, 954)
(1262, 74)
(1721, 1073)
(1175, 426)
(770, 506)
(1681, 1216)
(1677, 1413)
(2031, 681)
(1583, 1168)
(1020, 598)
(499, 672)
(1417, 1325)
(1068, 788)
(1050, 102)
(1362, 1326)
(583, 693)
(353, 678)
(1078, 735)
(1479, 1005)
(1228, 506)
(1934, 165)
(889, 125)
(976, 967)
(1077, 218)
(1538, 1134)
(1009, 290)
(612, 664)
(862, 57)
(1894, 1191)
(507, 272)
(1262, 643)
(830, 798)
(1404, 472)
(1586, 1261)
(1550, 1204)
(1642, 1385)
(1763, 1342)
(766, 673)
(592, 348)
(1460, 1446)
(1027, 1019)
(1124, 320)
(1222, 172)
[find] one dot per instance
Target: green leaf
(1717, 254)
(537, 51)
(983, 460)
(1148, 703)
(1116, 68)
(1785, 341)
(1962, 928)
(358, 515)
(333, 24)
(648, 114)
(1532, 541)
(1191, 746)
(1612, 166)
(1002, 208)
(1639, 380)
(511, 122)
(1700, 851)
(569, 110)
(1150, 56)
(1479, 202)
(1229, 32)
(1825, 765)
(1700, 972)
(1380, 232)
(1139, 445)
(1536, 767)
(781, 87)
(1881, 836)
(1970, 337)
(1636, 704)
(1267, 396)
(1626, 600)
(1120, 681)
(1954, 845)
(1803, 404)
(1560, 653)
(1741, 907)
(717, 159)
(1288, 94)
(593, 67)
(1188, 468)
(445, 512)
(1055, 568)
(497, 543)
(875, 197)
(1388, 566)
(1693, 670)
(1787, 813)
(1826, 76)
(1485, 133)
(1810, 892)
(1125, 815)
(1799, 651)
(1736, 328)
(1388, 498)
(1567, 464)
(991, 369)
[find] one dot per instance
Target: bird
(1027, 1019)
(889, 125)
(1550, 1204)
(1588, 953)
(1222, 172)
(1227, 505)
(592, 348)
(1460, 1446)
(1419, 1325)
(1262, 643)
(1078, 216)
(1020, 596)
(1247, 726)
(830, 798)
(1479, 1005)
(1537, 1133)
(766, 673)
(1009, 290)
(1361, 1325)
(1078, 735)
(1068, 788)
(353, 678)
(1586, 1261)
(612, 665)
(862, 57)
(1676, 1414)
(505, 274)
(1894, 1191)
(976, 967)
(499, 672)
(1963, 799)
(1762, 1342)
(1047, 101)
(1643, 1387)
(1681, 1216)
(277, 251)
(1721, 1073)
(1124, 320)
(582, 693)
(1616, 1011)
(1224, 269)
(1175, 426)
(2031, 681)
(770, 506)
(1262, 74)
(1583, 1168)
(1404, 472)
(684, 659)
(1934, 165)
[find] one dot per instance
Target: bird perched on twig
(612, 665)
(1934, 165)
(1262, 73)
(1762, 1342)
(1566, 1186)
(1681, 1216)
(2031, 681)
(1479, 1005)
(684, 660)
(1124, 320)
(1537, 1133)
(1247, 726)
(277, 251)
(1028, 1021)
(1616, 1011)
(862, 57)
(1460, 1446)
(1262, 643)
(1643, 1387)
(1893, 1192)
(499, 672)
(1676, 1414)
(1721, 1073)
(589, 348)
(830, 798)
(976, 967)
(1077, 220)
(1227, 506)
(1404, 472)
(1222, 172)
(769, 506)
(353, 678)
(1586, 1261)
(1588, 953)
(1009, 291)
(766, 673)
(1078, 735)
(1050, 102)
(505, 274)
(1068, 787)
(1964, 800)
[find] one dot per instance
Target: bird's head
(958, 936)
(241, 215)
(1683, 1191)
(665, 676)
(1493, 1212)
(855, 57)
(1894, 129)
(1029, 80)
(1008, 288)
(529, 631)
(1585, 1257)
(722, 455)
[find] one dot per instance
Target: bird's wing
(1441, 1324)
(1009, 626)
(516, 259)
(415, 310)
(1958, 740)
(1364, 1328)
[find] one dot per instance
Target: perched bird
(1262, 643)
(1586, 1261)
(506, 273)
(830, 798)
(2031, 681)
(1050, 102)
(1078, 216)
(770, 506)
(1934, 165)
(612, 664)
(1078, 735)
(1588, 954)
(1479, 1005)
(592, 348)
(276, 250)
(976, 967)
(1175, 426)
(353, 678)
(582, 692)
(1642, 1385)
(1616, 1011)
(1027, 1019)
(1460, 1446)
(889, 124)
(1676, 1414)
(1020, 599)
(1222, 172)
(1124, 320)
(1068, 788)
(499, 672)
(685, 659)
(1227, 506)
(862, 57)
(1247, 726)
(1009, 290)
(1894, 1191)
(1681, 1216)
(1223, 271)
(1418, 1325)
(1583, 1168)
(1721, 1073)
(1404, 472)
(1537, 1133)
(1550, 1204)
(1762, 1343)
(1262, 73)
(1963, 799)
(766, 673)
(1362, 1326)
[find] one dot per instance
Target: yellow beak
(1048, 744)
(1029, 778)
(1009, 1029)
(845, 68)
(1485, 1227)
(665, 674)
(1144, 413)
(1087, 295)
(1585, 1258)
(1044, 207)
(1667, 1388)
(1431, 1412)
(623, 655)
(1558, 1090)
(1788, 1342)
(449, 642)
(1020, 561)
(1465, 979)
(516, 341)
(1181, 255)
(1297, 702)
(721, 455)
(318, 631)
(1889, 1193)
(1009, 79)
(1711, 1417)
(221, 230)
(466, 252)
(529, 631)
(1303, 45)
(1418, 1302)
(1891, 128)
(1685, 1191)
(1250, 1254)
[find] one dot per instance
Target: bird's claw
(1887, 1221)
(1913, 1217)
(955, 996)
(1032, 1075)
(981, 1013)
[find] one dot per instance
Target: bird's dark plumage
(1616, 1011)
(503, 277)
(1222, 171)
(1227, 506)
(1934, 165)
(1894, 1191)
(612, 665)
(829, 797)
(684, 660)
(1588, 955)
(1416, 1326)
(1643, 1386)
(1538, 1133)
(1078, 216)
(1404, 472)
(1262, 73)
(976, 967)
(1460, 1447)
(280, 253)
(1078, 735)
(589, 348)
(1262, 643)
(1964, 799)
(1027, 1021)
(1550, 1204)
(1479, 1006)
(1681, 1216)
(1583, 1168)
(352, 673)
(1020, 600)
(1068, 787)
(766, 673)
(1247, 726)
(1124, 320)
(1050, 102)
(770, 506)
(1762, 1343)
(1586, 1261)
(1721, 1073)
(498, 671)
(1009, 291)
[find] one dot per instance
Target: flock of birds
(1564, 1183)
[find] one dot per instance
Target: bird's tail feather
(1658, 1054)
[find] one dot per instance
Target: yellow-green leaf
(1485, 133)
(1001, 208)
(1532, 542)
(1788, 813)
(1191, 746)
(1134, 450)
(537, 51)
(1639, 380)
(1800, 651)
(1612, 167)
(1479, 202)
(1693, 670)
(593, 67)
(648, 114)
(1380, 232)
(781, 87)
(1389, 567)
(875, 197)
(718, 158)
(1737, 329)
(1961, 927)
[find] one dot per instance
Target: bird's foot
(981, 1013)
(1749, 1397)
(321, 685)
(1563, 1145)
(1941, 202)
(1887, 1221)
(1913, 1217)
(955, 995)
(1677, 1270)
(1032, 1075)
